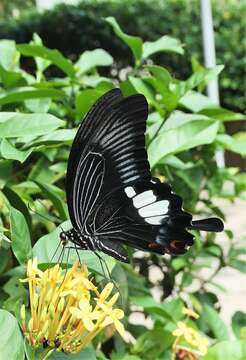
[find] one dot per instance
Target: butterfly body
(112, 198)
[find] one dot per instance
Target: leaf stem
(159, 128)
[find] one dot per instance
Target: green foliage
(227, 350)
(21, 242)
(38, 120)
(10, 331)
(179, 19)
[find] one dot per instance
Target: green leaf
(236, 251)
(50, 191)
(240, 265)
(178, 118)
(199, 77)
(93, 58)
(164, 44)
(135, 43)
(55, 137)
(143, 88)
(239, 324)
(40, 105)
(23, 93)
(8, 54)
(99, 82)
(46, 251)
(215, 323)
(162, 81)
(20, 236)
(41, 172)
(120, 277)
(13, 287)
(11, 346)
(54, 56)
(179, 263)
(85, 99)
(4, 255)
(41, 63)
(214, 250)
(183, 137)
(192, 178)
(233, 143)
(186, 279)
(160, 73)
(222, 114)
(127, 88)
(8, 151)
(11, 79)
(175, 162)
(152, 343)
(151, 306)
(174, 308)
(227, 350)
(17, 124)
(16, 201)
(125, 357)
(5, 172)
(85, 354)
(195, 101)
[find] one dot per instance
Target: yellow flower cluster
(67, 310)
(198, 343)
(192, 336)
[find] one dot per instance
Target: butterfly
(112, 198)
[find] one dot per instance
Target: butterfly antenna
(48, 218)
(61, 227)
(55, 218)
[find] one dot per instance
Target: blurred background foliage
(43, 97)
(85, 29)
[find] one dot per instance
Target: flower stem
(32, 355)
(46, 354)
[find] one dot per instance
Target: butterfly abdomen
(81, 240)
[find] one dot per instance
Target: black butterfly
(112, 198)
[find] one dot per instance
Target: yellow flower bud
(35, 300)
(30, 325)
(61, 305)
(190, 313)
(52, 311)
(48, 296)
(23, 313)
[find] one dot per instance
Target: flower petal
(117, 313)
(88, 324)
(106, 291)
(76, 312)
(119, 327)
